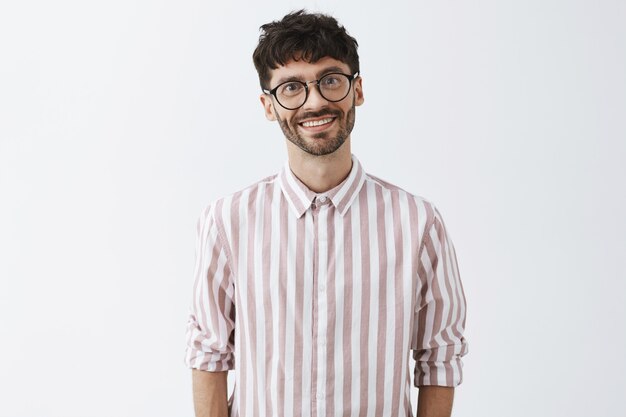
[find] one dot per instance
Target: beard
(321, 143)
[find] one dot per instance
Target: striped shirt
(317, 300)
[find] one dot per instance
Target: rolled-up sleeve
(438, 343)
(211, 324)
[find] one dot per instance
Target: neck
(320, 173)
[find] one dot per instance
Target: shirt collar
(300, 197)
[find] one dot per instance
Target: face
(319, 127)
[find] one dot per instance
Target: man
(316, 284)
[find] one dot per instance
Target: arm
(434, 401)
(211, 324)
(438, 343)
(209, 393)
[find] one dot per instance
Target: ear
(358, 91)
(268, 106)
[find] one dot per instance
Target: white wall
(120, 120)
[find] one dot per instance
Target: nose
(315, 99)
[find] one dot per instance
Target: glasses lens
(334, 87)
(291, 94)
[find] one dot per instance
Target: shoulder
(424, 207)
(226, 207)
(424, 216)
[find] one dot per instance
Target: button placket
(321, 219)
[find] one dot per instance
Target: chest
(326, 255)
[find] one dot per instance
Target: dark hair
(303, 35)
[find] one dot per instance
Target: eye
(332, 81)
(291, 88)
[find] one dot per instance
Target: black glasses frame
(306, 88)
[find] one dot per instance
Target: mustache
(311, 115)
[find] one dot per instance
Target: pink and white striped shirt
(316, 300)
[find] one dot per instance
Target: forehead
(305, 70)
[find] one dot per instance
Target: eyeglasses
(333, 87)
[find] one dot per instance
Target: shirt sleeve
(438, 343)
(211, 323)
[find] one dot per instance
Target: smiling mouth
(317, 124)
(313, 123)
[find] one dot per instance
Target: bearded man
(316, 284)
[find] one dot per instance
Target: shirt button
(323, 199)
(322, 287)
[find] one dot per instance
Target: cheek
(289, 119)
(286, 122)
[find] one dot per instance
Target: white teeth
(317, 122)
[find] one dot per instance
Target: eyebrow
(319, 75)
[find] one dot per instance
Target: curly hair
(303, 35)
